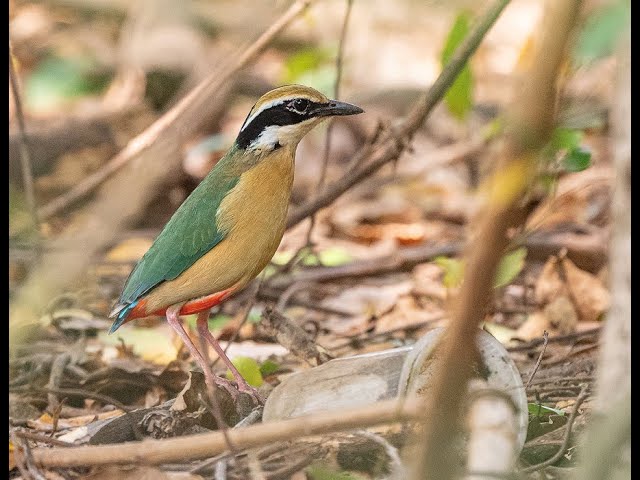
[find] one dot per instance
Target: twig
(532, 120)
(545, 339)
(390, 146)
(75, 392)
(25, 156)
(55, 378)
(208, 444)
(36, 437)
(203, 92)
(336, 92)
(567, 435)
(403, 259)
(327, 138)
(558, 338)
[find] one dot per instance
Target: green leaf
(453, 270)
(249, 370)
(537, 409)
(334, 256)
(311, 66)
(268, 367)
(218, 321)
(509, 267)
(601, 32)
(255, 314)
(323, 472)
(459, 96)
(577, 160)
(565, 139)
(56, 79)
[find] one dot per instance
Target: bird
(228, 229)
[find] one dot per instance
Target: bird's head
(284, 115)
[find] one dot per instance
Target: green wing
(190, 233)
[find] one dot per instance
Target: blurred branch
(210, 444)
(395, 141)
(493, 434)
(151, 159)
(178, 122)
(530, 124)
(25, 156)
(609, 435)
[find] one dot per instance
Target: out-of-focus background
(380, 266)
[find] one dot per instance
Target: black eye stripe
(281, 114)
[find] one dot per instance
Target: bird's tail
(120, 311)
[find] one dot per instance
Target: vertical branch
(336, 95)
(25, 156)
(609, 434)
(531, 122)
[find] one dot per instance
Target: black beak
(334, 108)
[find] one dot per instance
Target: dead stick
(210, 444)
(531, 122)
(25, 156)
(560, 338)
(545, 339)
(158, 129)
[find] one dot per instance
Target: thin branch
(336, 93)
(545, 339)
(567, 436)
(559, 338)
(75, 392)
(25, 156)
(203, 92)
(390, 146)
(531, 123)
(328, 135)
(36, 437)
(210, 444)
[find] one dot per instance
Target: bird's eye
(299, 105)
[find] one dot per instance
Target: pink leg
(174, 320)
(203, 330)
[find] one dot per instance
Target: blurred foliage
(20, 220)
(566, 145)
(458, 98)
(55, 80)
(151, 344)
(601, 31)
(249, 369)
(539, 410)
(453, 271)
(323, 472)
(311, 66)
(509, 267)
(269, 367)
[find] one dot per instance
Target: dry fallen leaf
(365, 302)
(407, 313)
(129, 250)
(45, 422)
(534, 326)
(549, 284)
(561, 315)
(590, 296)
(562, 278)
(427, 280)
